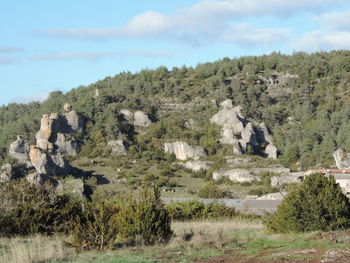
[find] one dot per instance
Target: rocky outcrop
(249, 175)
(48, 164)
(6, 173)
(184, 151)
(197, 165)
(287, 179)
(118, 147)
(271, 151)
(19, 150)
(240, 133)
(342, 159)
(236, 175)
(141, 119)
(55, 141)
(138, 118)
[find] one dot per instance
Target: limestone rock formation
(75, 122)
(240, 133)
(236, 175)
(197, 165)
(19, 150)
(118, 147)
(271, 151)
(48, 164)
(287, 179)
(67, 107)
(184, 151)
(342, 159)
(6, 173)
(66, 145)
(141, 119)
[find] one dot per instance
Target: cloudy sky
(59, 45)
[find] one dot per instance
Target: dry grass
(33, 249)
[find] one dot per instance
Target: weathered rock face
(6, 173)
(66, 146)
(287, 179)
(19, 150)
(342, 159)
(184, 151)
(141, 119)
(48, 164)
(118, 147)
(67, 107)
(271, 151)
(236, 175)
(240, 133)
(197, 165)
(75, 122)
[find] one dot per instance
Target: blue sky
(60, 45)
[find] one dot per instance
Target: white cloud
(97, 56)
(337, 20)
(322, 40)
(202, 23)
(245, 34)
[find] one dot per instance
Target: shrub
(26, 209)
(144, 217)
(97, 228)
(194, 209)
(316, 204)
(210, 190)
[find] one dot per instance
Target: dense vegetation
(307, 110)
(316, 204)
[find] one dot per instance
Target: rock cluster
(19, 150)
(138, 118)
(342, 159)
(184, 151)
(236, 175)
(240, 133)
(197, 165)
(55, 141)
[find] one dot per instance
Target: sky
(60, 45)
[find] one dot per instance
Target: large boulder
(236, 175)
(65, 145)
(184, 151)
(287, 179)
(197, 165)
(19, 150)
(48, 164)
(141, 119)
(118, 147)
(229, 117)
(271, 151)
(75, 122)
(128, 115)
(342, 159)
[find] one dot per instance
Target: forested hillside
(304, 100)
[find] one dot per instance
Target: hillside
(303, 99)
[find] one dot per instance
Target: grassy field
(238, 240)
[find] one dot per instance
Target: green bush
(144, 217)
(194, 209)
(26, 209)
(97, 228)
(210, 190)
(316, 204)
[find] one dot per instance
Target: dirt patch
(339, 255)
